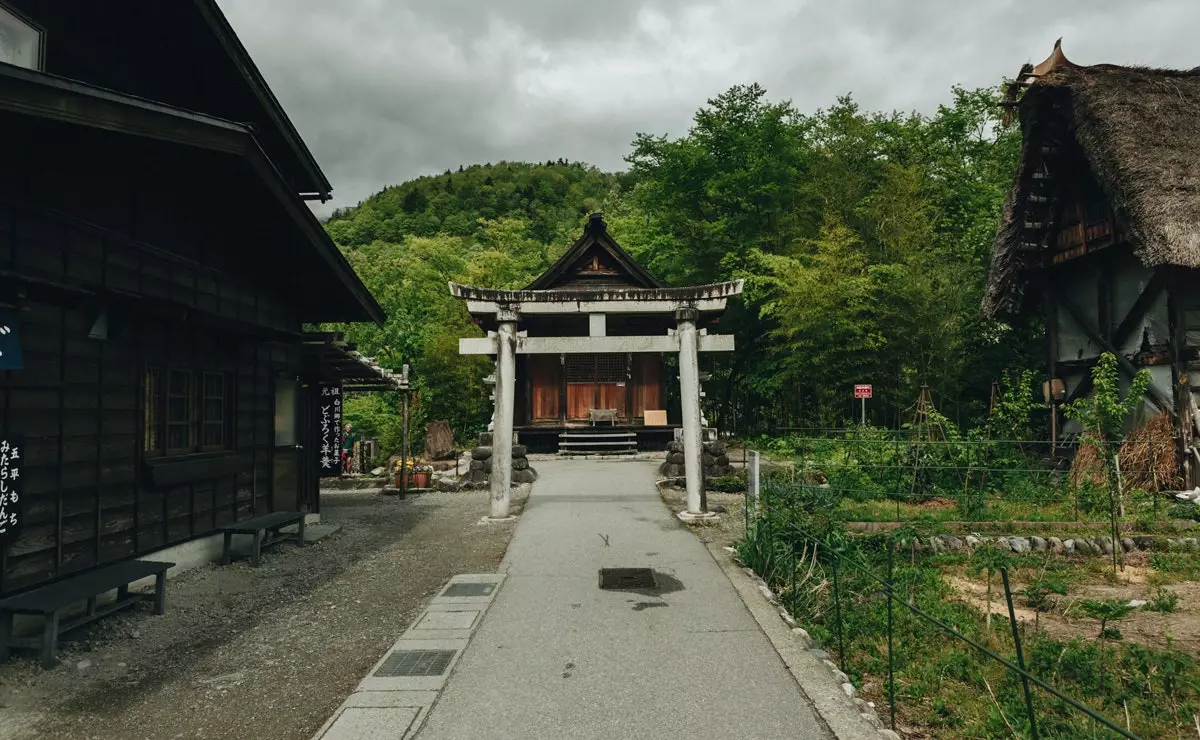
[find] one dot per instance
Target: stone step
(597, 435)
(595, 452)
(599, 443)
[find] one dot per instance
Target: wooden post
(404, 441)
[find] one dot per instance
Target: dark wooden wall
(178, 299)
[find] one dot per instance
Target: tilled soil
(266, 652)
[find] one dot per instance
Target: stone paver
(556, 657)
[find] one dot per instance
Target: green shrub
(733, 483)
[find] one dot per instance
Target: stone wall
(479, 474)
(714, 461)
(1034, 543)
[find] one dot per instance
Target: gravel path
(258, 653)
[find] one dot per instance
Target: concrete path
(556, 657)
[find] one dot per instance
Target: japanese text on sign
(329, 416)
(862, 391)
(10, 485)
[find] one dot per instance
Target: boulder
(1127, 544)
(477, 464)
(1068, 547)
(671, 470)
(675, 447)
(439, 440)
(523, 476)
(1106, 545)
(1001, 543)
(1056, 545)
(723, 461)
(972, 542)
(1018, 544)
(675, 458)
(519, 451)
(716, 449)
(1037, 544)
(481, 453)
(707, 460)
(520, 463)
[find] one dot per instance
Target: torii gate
(596, 279)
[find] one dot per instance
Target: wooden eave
(551, 277)
(317, 185)
(41, 95)
(339, 361)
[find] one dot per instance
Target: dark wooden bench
(265, 530)
(51, 600)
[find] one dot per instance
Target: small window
(185, 411)
(180, 411)
(152, 411)
(213, 409)
(21, 42)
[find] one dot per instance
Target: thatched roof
(1139, 130)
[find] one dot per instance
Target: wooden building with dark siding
(1101, 229)
(158, 263)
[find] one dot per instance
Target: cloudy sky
(387, 90)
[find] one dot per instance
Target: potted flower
(421, 475)
(401, 471)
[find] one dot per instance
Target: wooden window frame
(219, 422)
(197, 419)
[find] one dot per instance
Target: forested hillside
(864, 239)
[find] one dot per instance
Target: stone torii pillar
(689, 392)
(502, 434)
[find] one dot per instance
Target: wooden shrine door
(596, 382)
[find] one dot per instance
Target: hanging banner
(11, 449)
(329, 430)
(10, 341)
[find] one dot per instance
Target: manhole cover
(622, 579)
(415, 663)
(469, 589)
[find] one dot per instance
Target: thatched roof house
(1138, 130)
(1101, 228)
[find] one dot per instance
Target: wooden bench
(51, 600)
(265, 530)
(609, 415)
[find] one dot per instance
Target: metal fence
(768, 527)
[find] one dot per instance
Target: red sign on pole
(862, 391)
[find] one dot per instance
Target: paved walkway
(556, 657)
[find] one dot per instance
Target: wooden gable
(595, 261)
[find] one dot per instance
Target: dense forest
(864, 239)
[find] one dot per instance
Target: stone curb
(847, 715)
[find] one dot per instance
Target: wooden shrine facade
(587, 339)
(157, 265)
(1101, 234)
(595, 334)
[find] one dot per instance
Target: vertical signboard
(11, 517)
(329, 431)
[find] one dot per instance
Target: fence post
(837, 613)
(891, 664)
(1016, 633)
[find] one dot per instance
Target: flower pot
(401, 480)
(421, 479)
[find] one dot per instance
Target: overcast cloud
(387, 90)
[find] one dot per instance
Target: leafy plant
(1164, 601)
(1102, 416)
(1106, 611)
(989, 559)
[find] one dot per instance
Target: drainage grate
(415, 663)
(621, 579)
(469, 589)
